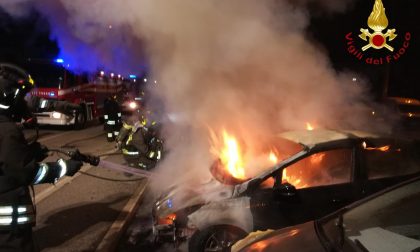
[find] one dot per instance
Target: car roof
(320, 136)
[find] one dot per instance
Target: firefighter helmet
(15, 83)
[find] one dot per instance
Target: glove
(40, 151)
(69, 167)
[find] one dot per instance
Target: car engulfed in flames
(253, 184)
(228, 170)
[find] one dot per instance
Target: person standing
(112, 118)
(21, 164)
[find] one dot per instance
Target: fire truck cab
(53, 81)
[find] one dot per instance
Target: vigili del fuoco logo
(376, 39)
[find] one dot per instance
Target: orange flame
(317, 158)
(309, 126)
(292, 180)
(259, 246)
(230, 156)
(382, 148)
(273, 158)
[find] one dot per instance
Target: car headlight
(132, 105)
(56, 115)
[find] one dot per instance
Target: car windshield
(46, 75)
(389, 222)
(266, 158)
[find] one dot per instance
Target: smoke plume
(245, 66)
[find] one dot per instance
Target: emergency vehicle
(54, 81)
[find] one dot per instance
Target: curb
(115, 232)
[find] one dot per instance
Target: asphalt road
(89, 211)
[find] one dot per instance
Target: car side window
(391, 160)
(322, 168)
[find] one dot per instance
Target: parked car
(388, 221)
(322, 171)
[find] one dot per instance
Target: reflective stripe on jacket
(16, 215)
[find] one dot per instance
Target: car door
(388, 162)
(311, 188)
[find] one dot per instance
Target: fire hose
(96, 161)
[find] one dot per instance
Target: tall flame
(230, 156)
(377, 20)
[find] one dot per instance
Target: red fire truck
(53, 81)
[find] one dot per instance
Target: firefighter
(139, 144)
(20, 163)
(112, 117)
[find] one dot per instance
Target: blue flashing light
(169, 203)
(59, 60)
(132, 76)
(52, 94)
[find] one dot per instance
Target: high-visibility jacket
(19, 168)
(112, 114)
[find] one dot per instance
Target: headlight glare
(132, 105)
(56, 115)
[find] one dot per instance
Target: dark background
(29, 37)
(399, 78)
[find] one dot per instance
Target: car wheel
(217, 238)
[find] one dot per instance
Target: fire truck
(54, 81)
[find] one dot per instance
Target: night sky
(30, 38)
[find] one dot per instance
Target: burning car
(318, 172)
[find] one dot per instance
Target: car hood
(182, 196)
(301, 238)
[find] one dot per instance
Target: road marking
(112, 237)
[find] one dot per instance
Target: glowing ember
(309, 126)
(259, 246)
(272, 157)
(382, 148)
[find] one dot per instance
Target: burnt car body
(386, 221)
(350, 165)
